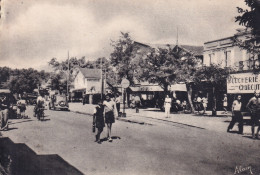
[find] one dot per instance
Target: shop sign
(243, 83)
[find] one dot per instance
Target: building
(226, 53)
(88, 82)
(151, 93)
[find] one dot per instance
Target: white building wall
(79, 81)
(218, 50)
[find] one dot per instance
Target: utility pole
(177, 39)
(68, 75)
(102, 83)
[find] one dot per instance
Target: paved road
(159, 147)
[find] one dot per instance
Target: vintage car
(58, 102)
(30, 98)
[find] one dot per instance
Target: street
(153, 147)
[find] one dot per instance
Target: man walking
(254, 107)
(236, 115)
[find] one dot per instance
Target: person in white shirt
(167, 106)
(199, 104)
(204, 103)
(236, 115)
(110, 112)
(225, 103)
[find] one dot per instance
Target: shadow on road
(20, 159)
(11, 122)
(45, 119)
(250, 137)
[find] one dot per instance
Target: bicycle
(40, 114)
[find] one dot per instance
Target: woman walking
(110, 114)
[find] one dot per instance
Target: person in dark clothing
(4, 113)
(98, 120)
(236, 115)
(254, 107)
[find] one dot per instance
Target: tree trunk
(214, 105)
(189, 90)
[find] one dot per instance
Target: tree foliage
(250, 18)
(122, 58)
(166, 67)
(26, 80)
(160, 67)
(4, 76)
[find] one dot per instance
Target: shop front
(244, 84)
(148, 94)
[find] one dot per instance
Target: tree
(215, 76)
(167, 67)
(160, 67)
(26, 80)
(122, 57)
(250, 18)
(58, 82)
(4, 76)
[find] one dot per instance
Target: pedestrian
(110, 114)
(4, 113)
(195, 101)
(204, 104)
(167, 106)
(98, 120)
(184, 105)
(118, 99)
(236, 115)
(225, 103)
(137, 103)
(254, 108)
(199, 104)
(21, 105)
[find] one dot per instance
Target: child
(98, 120)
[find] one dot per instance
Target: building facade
(226, 53)
(87, 82)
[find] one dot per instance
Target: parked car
(58, 102)
(30, 98)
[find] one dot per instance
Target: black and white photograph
(129, 87)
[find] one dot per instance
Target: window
(211, 58)
(227, 58)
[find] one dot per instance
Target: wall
(223, 52)
(79, 82)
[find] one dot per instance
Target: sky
(32, 32)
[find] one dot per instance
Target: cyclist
(39, 105)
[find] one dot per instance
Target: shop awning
(152, 88)
(178, 87)
(79, 90)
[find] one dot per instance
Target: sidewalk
(216, 123)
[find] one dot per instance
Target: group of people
(200, 104)
(254, 107)
(178, 105)
(105, 113)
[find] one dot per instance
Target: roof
(90, 73)
(196, 50)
